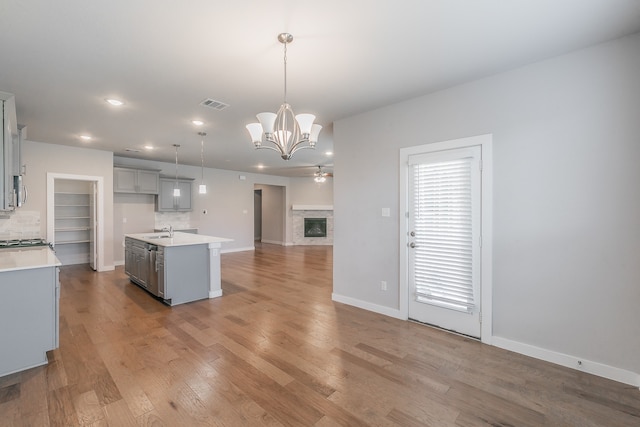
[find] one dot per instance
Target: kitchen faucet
(169, 229)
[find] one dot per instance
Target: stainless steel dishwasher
(152, 271)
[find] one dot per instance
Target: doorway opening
(269, 214)
(257, 215)
(75, 211)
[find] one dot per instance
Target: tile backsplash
(20, 224)
(176, 219)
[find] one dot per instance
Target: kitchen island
(29, 306)
(176, 268)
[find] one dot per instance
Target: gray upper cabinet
(142, 181)
(167, 202)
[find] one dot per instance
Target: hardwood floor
(275, 350)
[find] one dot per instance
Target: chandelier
(286, 131)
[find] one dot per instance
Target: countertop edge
(30, 258)
(178, 239)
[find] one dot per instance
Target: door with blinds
(445, 238)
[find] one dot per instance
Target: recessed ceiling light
(260, 166)
(197, 122)
(148, 147)
(329, 153)
(85, 137)
(114, 102)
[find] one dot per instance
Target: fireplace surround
(319, 214)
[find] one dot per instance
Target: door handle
(412, 234)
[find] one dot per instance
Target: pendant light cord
(202, 134)
(285, 72)
(176, 145)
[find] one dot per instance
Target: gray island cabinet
(29, 307)
(178, 269)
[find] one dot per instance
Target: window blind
(443, 226)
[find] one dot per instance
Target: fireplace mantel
(311, 207)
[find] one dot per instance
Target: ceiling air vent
(212, 103)
(132, 150)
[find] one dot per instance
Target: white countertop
(26, 258)
(178, 239)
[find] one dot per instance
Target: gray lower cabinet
(29, 311)
(185, 273)
(167, 202)
(182, 271)
(135, 261)
(141, 181)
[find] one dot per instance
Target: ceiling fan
(320, 176)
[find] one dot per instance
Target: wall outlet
(383, 285)
(386, 212)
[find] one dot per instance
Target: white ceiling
(63, 58)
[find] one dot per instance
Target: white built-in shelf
(72, 229)
(71, 242)
(71, 217)
(72, 226)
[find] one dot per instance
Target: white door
(444, 239)
(92, 225)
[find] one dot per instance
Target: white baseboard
(589, 366)
(391, 312)
(248, 248)
(273, 242)
(118, 263)
(574, 362)
(215, 294)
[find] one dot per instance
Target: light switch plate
(386, 212)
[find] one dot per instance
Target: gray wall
(228, 202)
(566, 207)
(305, 191)
(273, 213)
(41, 158)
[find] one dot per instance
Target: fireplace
(306, 233)
(315, 227)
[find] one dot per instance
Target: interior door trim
(99, 180)
(486, 275)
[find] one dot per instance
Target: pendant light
(202, 189)
(176, 189)
(286, 132)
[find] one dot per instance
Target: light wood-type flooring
(274, 350)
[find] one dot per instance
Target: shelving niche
(73, 232)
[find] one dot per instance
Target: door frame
(486, 274)
(99, 207)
